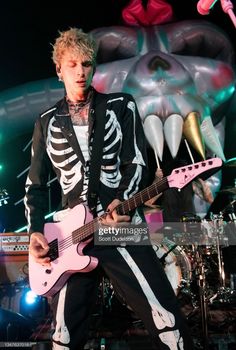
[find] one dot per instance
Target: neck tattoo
(79, 111)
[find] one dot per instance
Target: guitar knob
(48, 271)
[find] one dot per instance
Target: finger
(113, 205)
(39, 244)
(107, 220)
(120, 218)
(43, 261)
(43, 242)
(114, 218)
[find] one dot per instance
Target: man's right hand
(39, 248)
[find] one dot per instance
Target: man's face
(76, 71)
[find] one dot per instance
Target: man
(64, 139)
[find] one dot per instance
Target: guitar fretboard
(179, 178)
(141, 197)
(123, 209)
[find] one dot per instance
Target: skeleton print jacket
(55, 145)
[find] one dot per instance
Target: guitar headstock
(3, 196)
(180, 177)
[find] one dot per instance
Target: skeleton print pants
(139, 278)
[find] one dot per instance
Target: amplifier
(14, 243)
(14, 249)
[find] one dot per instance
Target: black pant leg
(72, 308)
(139, 278)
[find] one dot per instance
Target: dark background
(27, 28)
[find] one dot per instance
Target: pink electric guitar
(68, 238)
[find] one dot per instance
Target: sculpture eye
(158, 62)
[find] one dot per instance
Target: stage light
(31, 297)
(33, 306)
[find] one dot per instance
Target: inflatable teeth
(211, 138)
(192, 132)
(173, 129)
(153, 129)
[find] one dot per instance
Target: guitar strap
(96, 156)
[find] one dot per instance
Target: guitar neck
(179, 178)
(123, 208)
(141, 197)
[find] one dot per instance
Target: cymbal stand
(201, 282)
(217, 220)
(199, 270)
(219, 235)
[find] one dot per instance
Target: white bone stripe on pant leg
(61, 333)
(161, 317)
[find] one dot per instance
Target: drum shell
(177, 264)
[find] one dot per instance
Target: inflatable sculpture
(180, 73)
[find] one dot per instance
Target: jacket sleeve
(133, 153)
(36, 191)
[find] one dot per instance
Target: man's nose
(80, 70)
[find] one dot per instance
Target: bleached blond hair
(77, 41)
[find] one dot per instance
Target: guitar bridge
(53, 250)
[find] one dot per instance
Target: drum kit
(199, 259)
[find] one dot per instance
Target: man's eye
(87, 64)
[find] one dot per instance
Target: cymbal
(230, 162)
(228, 190)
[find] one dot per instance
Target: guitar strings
(88, 229)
